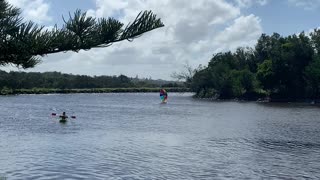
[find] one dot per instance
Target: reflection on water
(132, 136)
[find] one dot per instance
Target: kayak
(63, 120)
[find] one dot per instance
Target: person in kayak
(63, 117)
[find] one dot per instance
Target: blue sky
(276, 16)
(194, 31)
(285, 18)
(63, 7)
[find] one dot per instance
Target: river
(133, 136)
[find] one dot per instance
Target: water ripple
(130, 136)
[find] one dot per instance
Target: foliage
(228, 75)
(55, 80)
(7, 91)
(187, 74)
(265, 74)
(285, 67)
(312, 76)
(21, 42)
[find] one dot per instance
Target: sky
(193, 32)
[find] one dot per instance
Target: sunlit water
(133, 136)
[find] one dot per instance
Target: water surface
(132, 136)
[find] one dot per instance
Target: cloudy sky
(193, 31)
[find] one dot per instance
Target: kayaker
(63, 116)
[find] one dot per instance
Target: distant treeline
(59, 82)
(7, 91)
(281, 68)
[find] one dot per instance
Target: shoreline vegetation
(278, 69)
(14, 83)
(252, 98)
(7, 91)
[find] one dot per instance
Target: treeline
(56, 80)
(7, 91)
(281, 68)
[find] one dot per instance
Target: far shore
(5, 92)
(266, 100)
(94, 90)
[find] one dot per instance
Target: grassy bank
(7, 91)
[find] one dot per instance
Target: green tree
(282, 63)
(265, 75)
(312, 75)
(21, 42)
(242, 81)
(315, 39)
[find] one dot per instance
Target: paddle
(55, 114)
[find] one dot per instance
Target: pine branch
(21, 42)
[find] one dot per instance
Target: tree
(282, 63)
(21, 42)
(315, 38)
(187, 74)
(312, 75)
(265, 75)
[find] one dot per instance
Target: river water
(133, 136)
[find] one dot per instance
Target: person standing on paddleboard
(163, 95)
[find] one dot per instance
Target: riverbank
(258, 97)
(96, 90)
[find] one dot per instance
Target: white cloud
(306, 4)
(35, 10)
(193, 32)
(107, 8)
(243, 32)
